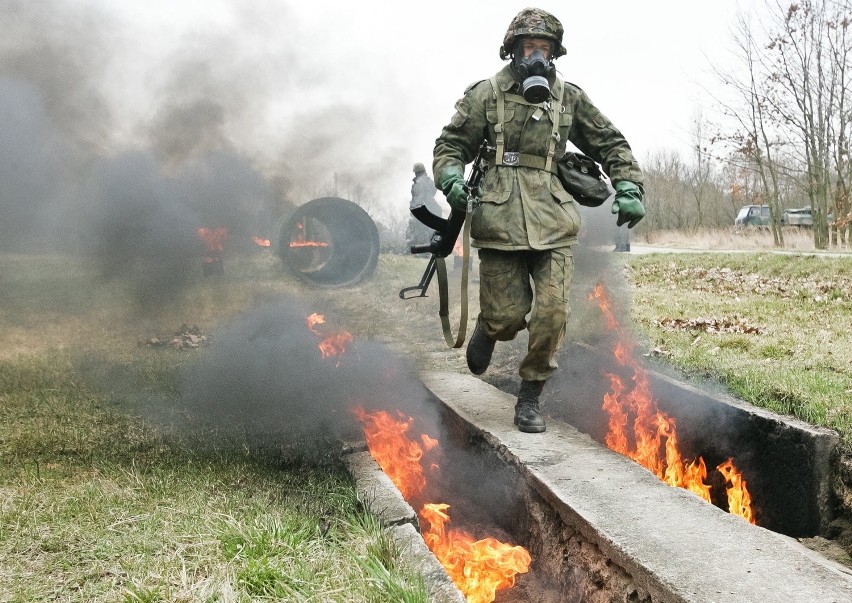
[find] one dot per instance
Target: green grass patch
(109, 492)
(798, 358)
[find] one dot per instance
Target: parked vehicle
(802, 217)
(752, 215)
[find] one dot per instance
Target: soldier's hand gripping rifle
(446, 229)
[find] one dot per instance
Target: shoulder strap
(499, 141)
(555, 108)
(443, 291)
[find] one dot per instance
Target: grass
(775, 329)
(103, 499)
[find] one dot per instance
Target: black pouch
(583, 179)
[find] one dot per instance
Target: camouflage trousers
(514, 284)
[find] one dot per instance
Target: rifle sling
(443, 291)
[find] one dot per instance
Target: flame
(477, 567)
(642, 432)
(300, 241)
(214, 238)
(739, 500)
(397, 455)
(261, 242)
(335, 344)
(458, 248)
(313, 320)
(332, 345)
(308, 244)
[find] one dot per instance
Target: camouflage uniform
(527, 223)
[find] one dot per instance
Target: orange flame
(477, 567)
(334, 344)
(214, 238)
(397, 455)
(308, 244)
(261, 242)
(642, 432)
(313, 320)
(458, 248)
(300, 241)
(739, 500)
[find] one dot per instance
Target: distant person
(527, 223)
(622, 238)
(422, 193)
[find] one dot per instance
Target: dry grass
(774, 328)
(728, 239)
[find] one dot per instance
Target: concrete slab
(377, 491)
(417, 557)
(382, 499)
(673, 544)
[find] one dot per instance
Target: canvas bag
(583, 179)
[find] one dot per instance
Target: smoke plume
(120, 138)
(265, 376)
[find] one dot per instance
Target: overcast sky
(402, 67)
(639, 61)
(306, 90)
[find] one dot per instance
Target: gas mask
(533, 71)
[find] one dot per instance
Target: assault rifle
(446, 229)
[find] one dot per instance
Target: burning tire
(331, 242)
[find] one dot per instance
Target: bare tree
(754, 139)
(792, 107)
(700, 175)
(812, 50)
(665, 180)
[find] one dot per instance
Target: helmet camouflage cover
(537, 23)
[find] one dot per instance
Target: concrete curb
(669, 545)
(382, 499)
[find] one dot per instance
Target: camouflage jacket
(527, 207)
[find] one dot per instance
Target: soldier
(526, 222)
(422, 193)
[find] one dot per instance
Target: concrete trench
(599, 527)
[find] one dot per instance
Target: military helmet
(537, 23)
(419, 167)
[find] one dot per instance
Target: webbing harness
(514, 159)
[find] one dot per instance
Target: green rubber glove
(628, 203)
(452, 185)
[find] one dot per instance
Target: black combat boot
(528, 416)
(479, 350)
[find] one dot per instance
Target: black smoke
(265, 377)
(111, 151)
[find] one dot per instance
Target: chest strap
(515, 159)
